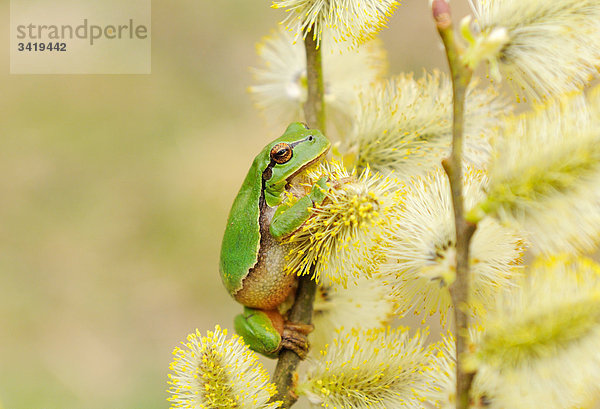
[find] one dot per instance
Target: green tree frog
(252, 253)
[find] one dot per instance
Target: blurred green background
(114, 191)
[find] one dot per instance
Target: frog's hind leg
(266, 332)
(261, 330)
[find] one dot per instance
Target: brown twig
(461, 76)
(302, 309)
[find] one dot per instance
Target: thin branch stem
(301, 312)
(288, 360)
(461, 76)
(314, 108)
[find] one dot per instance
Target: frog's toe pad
(296, 339)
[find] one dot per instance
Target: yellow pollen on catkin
(352, 372)
(347, 21)
(344, 228)
(214, 371)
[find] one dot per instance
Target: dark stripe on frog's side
(241, 240)
(266, 286)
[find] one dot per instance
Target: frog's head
(296, 149)
(289, 154)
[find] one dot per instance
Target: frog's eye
(281, 153)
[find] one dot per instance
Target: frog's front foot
(295, 338)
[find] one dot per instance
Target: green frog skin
(252, 255)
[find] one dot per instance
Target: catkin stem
(302, 309)
(314, 108)
(461, 76)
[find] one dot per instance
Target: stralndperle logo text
(80, 36)
(84, 31)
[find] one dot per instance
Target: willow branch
(302, 309)
(314, 108)
(461, 76)
(288, 360)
